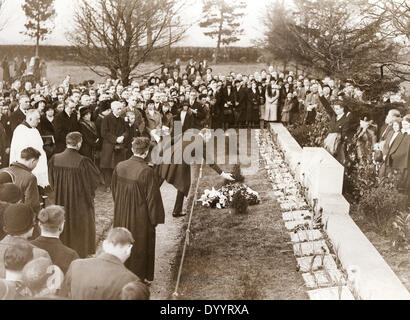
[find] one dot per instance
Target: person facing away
(138, 207)
(104, 277)
(74, 179)
(18, 222)
(20, 173)
(16, 256)
(51, 221)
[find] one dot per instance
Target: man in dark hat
(74, 179)
(18, 222)
(9, 194)
(51, 221)
(138, 207)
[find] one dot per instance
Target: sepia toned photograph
(204, 154)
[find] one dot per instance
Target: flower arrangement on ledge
(236, 195)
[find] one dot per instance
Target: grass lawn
(57, 71)
(240, 257)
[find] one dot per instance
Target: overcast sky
(65, 8)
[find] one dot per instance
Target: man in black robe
(74, 179)
(138, 207)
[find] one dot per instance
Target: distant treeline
(68, 53)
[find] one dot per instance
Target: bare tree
(3, 20)
(396, 14)
(119, 35)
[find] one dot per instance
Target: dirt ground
(240, 257)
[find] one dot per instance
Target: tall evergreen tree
(40, 15)
(222, 18)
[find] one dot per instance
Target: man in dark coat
(179, 174)
(104, 277)
(20, 173)
(114, 134)
(74, 179)
(138, 207)
(18, 116)
(65, 122)
(241, 94)
(51, 221)
(197, 111)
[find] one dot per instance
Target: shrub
(240, 203)
(359, 177)
(381, 204)
(401, 231)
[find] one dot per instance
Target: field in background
(57, 71)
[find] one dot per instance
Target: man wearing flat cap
(138, 207)
(74, 179)
(18, 222)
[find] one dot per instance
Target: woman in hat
(90, 135)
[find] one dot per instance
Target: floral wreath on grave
(236, 195)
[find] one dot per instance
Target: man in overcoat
(104, 277)
(114, 133)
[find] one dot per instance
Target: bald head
(33, 118)
(117, 108)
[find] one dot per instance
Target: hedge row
(68, 53)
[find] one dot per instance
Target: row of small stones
(314, 259)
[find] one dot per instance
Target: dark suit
(241, 97)
(200, 115)
(47, 130)
(188, 121)
(16, 118)
(61, 255)
(101, 278)
(64, 125)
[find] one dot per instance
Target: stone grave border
(322, 177)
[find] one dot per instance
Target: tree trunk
(38, 36)
(218, 45)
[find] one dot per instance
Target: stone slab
(297, 215)
(291, 225)
(303, 249)
(305, 235)
(304, 263)
(324, 278)
(375, 280)
(334, 293)
(289, 206)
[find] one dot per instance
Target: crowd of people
(59, 143)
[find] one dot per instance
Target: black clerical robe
(138, 207)
(74, 179)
